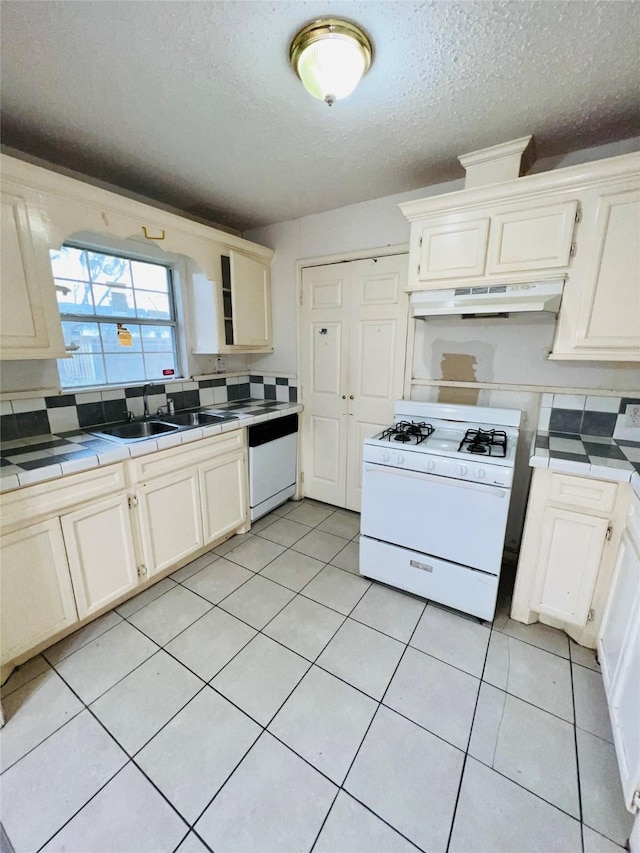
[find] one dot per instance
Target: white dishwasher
(273, 454)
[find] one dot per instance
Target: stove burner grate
(407, 432)
(490, 442)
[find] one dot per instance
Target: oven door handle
(496, 491)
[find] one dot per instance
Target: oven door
(456, 520)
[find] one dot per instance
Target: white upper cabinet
(250, 301)
(451, 250)
(600, 316)
(29, 321)
(532, 238)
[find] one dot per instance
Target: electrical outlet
(221, 364)
(632, 415)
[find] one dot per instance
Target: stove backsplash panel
(26, 418)
(576, 414)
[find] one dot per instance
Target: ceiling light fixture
(330, 56)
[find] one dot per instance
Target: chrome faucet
(145, 399)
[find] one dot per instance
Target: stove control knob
(480, 474)
(399, 459)
(462, 469)
(384, 456)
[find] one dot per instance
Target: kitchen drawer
(162, 462)
(595, 495)
(33, 503)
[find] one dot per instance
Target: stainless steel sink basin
(194, 419)
(136, 431)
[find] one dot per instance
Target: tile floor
(267, 698)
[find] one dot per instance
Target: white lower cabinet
(101, 553)
(571, 535)
(36, 594)
(223, 496)
(170, 522)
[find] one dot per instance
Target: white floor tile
(284, 532)
(592, 711)
(494, 814)
(265, 521)
(257, 601)
(192, 756)
(324, 721)
(192, 844)
(127, 814)
(540, 635)
(194, 566)
(218, 580)
(583, 656)
(453, 639)
(255, 553)
(341, 524)
(167, 616)
(231, 543)
(24, 673)
(596, 843)
(273, 802)
(349, 558)
(352, 827)
(80, 638)
(56, 779)
(260, 678)
(210, 643)
(531, 674)
(292, 570)
(337, 589)
(391, 612)
(32, 713)
(135, 709)
(101, 663)
(365, 658)
(602, 802)
(409, 778)
(309, 514)
(146, 597)
(434, 695)
(320, 545)
(533, 748)
(305, 626)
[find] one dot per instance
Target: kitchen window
(118, 317)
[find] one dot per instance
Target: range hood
(489, 299)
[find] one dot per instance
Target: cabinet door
(170, 522)
(101, 554)
(536, 238)
(568, 561)
(251, 301)
(37, 598)
(223, 494)
(23, 325)
(453, 250)
(609, 315)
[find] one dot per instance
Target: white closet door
(353, 342)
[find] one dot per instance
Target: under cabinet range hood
(488, 299)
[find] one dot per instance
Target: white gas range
(436, 487)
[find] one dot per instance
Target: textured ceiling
(194, 103)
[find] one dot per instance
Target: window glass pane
(123, 367)
(86, 367)
(149, 276)
(69, 263)
(112, 342)
(152, 304)
(112, 301)
(156, 362)
(157, 338)
(77, 300)
(108, 269)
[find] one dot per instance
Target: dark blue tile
(8, 428)
(218, 383)
(281, 381)
(256, 379)
(542, 441)
(60, 400)
(293, 394)
(191, 399)
(604, 451)
(114, 410)
(32, 423)
(90, 414)
(269, 392)
(565, 420)
(206, 383)
(599, 423)
(235, 393)
(572, 457)
(39, 463)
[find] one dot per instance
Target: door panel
(456, 250)
(532, 239)
(223, 496)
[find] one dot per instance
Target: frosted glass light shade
(330, 56)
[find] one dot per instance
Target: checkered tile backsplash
(576, 414)
(25, 418)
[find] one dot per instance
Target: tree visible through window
(118, 318)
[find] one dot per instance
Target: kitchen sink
(194, 419)
(135, 431)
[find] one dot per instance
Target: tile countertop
(46, 457)
(588, 455)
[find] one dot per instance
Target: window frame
(173, 278)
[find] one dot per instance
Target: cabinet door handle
(149, 237)
(609, 533)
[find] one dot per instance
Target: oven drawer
(455, 586)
